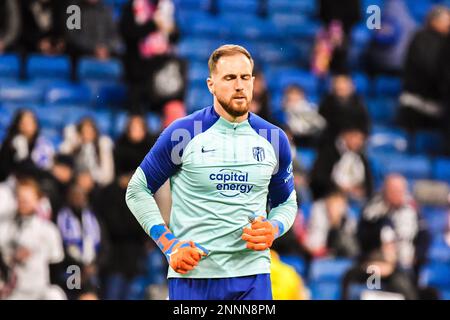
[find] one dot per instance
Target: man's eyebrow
(235, 75)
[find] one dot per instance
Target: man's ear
(210, 84)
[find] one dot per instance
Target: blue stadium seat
(201, 24)
(248, 6)
(436, 275)
(198, 72)
(445, 294)
(306, 157)
(439, 250)
(303, 78)
(293, 26)
(110, 95)
(296, 262)
(39, 67)
(436, 219)
(385, 85)
(419, 9)
(325, 290)
(197, 98)
(384, 139)
(441, 169)
(382, 110)
(254, 28)
(154, 123)
(21, 93)
(196, 48)
(119, 123)
(428, 142)
(191, 4)
(9, 67)
(299, 7)
(93, 69)
(68, 94)
(412, 167)
(329, 270)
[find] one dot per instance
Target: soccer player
(222, 162)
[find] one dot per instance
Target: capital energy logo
(231, 182)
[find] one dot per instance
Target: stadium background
(281, 43)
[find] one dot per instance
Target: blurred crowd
(64, 205)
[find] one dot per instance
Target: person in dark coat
(44, 22)
(132, 146)
(10, 24)
(421, 102)
(343, 109)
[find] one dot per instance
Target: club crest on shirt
(258, 153)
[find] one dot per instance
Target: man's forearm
(285, 213)
(141, 202)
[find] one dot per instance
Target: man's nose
(238, 85)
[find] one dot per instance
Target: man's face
(354, 140)
(395, 191)
(231, 83)
(343, 87)
(27, 200)
(441, 23)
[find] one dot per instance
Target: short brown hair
(29, 182)
(227, 50)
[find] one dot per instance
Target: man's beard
(227, 106)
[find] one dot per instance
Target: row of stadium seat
(39, 67)
(63, 93)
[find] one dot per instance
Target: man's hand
(262, 233)
(183, 256)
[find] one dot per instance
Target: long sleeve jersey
(220, 173)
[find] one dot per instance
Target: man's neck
(221, 112)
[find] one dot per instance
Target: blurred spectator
(331, 229)
(301, 117)
(376, 274)
(83, 236)
(92, 152)
(286, 283)
(330, 51)
(127, 241)
(396, 204)
(446, 92)
(132, 146)
(43, 26)
(29, 244)
(421, 100)
(98, 36)
(343, 109)
(55, 182)
(155, 75)
(348, 12)
(344, 166)
(23, 149)
(388, 46)
(339, 17)
(172, 111)
(10, 23)
(260, 102)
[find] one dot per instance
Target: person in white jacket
(29, 244)
(92, 152)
